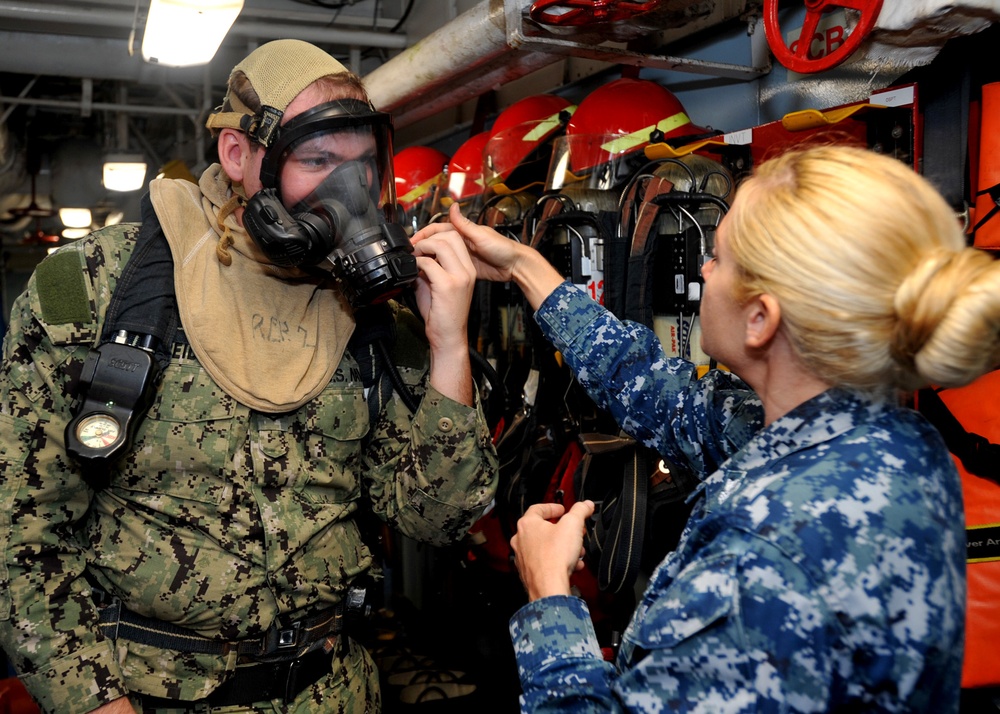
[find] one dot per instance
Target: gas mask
(341, 153)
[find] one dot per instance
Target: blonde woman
(822, 568)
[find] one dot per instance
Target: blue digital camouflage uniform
(821, 570)
(221, 520)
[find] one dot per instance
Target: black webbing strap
(118, 622)
(945, 91)
(620, 566)
(978, 455)
(645, 278)
(619, 486)
(374, 328)
(994, 193)
(258, 683)
(144, 301)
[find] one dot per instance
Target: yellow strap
(546, 125)
(666, 151)
(501, 189)
(622, 144)
(416, 192)
(813, 118)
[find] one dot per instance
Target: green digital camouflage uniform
(222, 518)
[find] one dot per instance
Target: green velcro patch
(62, 292)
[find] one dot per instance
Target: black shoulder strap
(619, 487)
(374, 329)
(144, 301)
(978, 455)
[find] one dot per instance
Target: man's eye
(317, 161)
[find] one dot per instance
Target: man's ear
(233, 149)
(763, 320)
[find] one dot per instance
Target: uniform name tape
(983, 543)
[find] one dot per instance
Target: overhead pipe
(314, 33)
(462, 59)
(486, 47)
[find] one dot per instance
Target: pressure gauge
(118, 382)
(98, 431)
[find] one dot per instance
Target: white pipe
(469, 40)
(433, 73)
(318, 33)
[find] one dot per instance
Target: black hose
(409, 299)
(402, 19)
(405, 393)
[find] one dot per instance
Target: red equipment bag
(970, 425)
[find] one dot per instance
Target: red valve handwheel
(586, 12)
(799, 59)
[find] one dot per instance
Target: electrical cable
(403, 17)
(405, 393)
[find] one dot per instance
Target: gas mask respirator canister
(341, 153)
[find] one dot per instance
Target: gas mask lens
(328, 201)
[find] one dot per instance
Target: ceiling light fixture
(75, 217)
(124, 172)
(182, 33)
(75, 233)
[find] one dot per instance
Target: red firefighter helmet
(616, 121)
(465, 170)
(519, 147)
(417, 170)
(419, 173)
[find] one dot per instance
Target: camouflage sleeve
(431, 474)
(558, 659)
(657, 399)
(47, 616)
(736, 628)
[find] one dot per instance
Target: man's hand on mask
(444, 293)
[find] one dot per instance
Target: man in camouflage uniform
(211, 571)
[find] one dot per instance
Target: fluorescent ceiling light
(75, 217)
(124, 172)
(181, 33)
(75, 233)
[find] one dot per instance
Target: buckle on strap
(289, 638)
(300, 633)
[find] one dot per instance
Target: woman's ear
(763, 321)
(234, 150)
